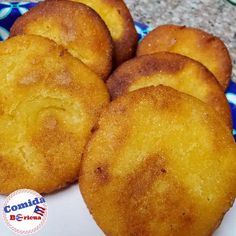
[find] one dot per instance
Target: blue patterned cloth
(10, 11)
(232, 2)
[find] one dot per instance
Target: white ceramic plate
(69, 216)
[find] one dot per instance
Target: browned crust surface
(126, 44)
(75, 26)
(49, 103)
(125, 47)
(167, 67)
(154, 166)
(194, 43)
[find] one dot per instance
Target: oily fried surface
(174, 70)
(119, 21)
(75, 26)
(49, 102)
(160, 163)
(191, 42)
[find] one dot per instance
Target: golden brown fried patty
(75, 26)
(119, 21)
(174, 70)
(49, 102)
(191, 42)
(160, 163)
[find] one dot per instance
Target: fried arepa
(193, 43)
(162, 163)
(73, 25)
(49, 102)
(173, 70)
(119, 21)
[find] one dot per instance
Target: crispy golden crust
(160, 163)
(75, 26)
(49, 103)
(174, 70)
(121, 25)
(191, 42)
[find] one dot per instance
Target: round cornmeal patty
(162, 163)
(174, 70)
(73, 25)
(49, 102)
(191, 42)
(119, 21)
